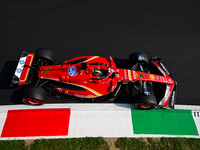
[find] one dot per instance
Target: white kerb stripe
(3, 116)
(100, 123)
(196, 116)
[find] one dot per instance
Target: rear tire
(34, 96)
(44, 54)
(145, 102)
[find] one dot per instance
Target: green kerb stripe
(169, 122)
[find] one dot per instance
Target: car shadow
(16, 96)
(121, 63)
(6, 75)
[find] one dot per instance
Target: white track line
(88, 106)
(187, 107)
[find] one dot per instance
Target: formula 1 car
(90, 77)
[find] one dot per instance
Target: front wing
(169, 98)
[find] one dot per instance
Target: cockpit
(100, 70)
(93, 67)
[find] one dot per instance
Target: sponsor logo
(90, 96)
(140, 58)
(164, 68)
(46, 70)
(152, 77)
(117, 75)
(19, 70)
(135, 75)
(146, 93)
(59, 89)
(21, 62)
(173, 98)
(66, 92)
(112, 70)
(161, 71)
(164, 79)
(81, 96)
(141, 75)
(157, 78)
(72, 71)
(125, 74)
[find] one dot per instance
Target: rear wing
(22, 71)
(169, 98)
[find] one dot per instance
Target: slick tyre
(138, 57)
(145, 102)
(34, 96)
(45, 54)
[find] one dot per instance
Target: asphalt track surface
(169, 29)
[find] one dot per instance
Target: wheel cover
(145, 106)
(33, 101)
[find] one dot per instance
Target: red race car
(91, 77)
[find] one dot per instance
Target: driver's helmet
(96, 72)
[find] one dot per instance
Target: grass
(100, 144)
(57, 144)
(158, 144)
(12, 145)
(70, 144)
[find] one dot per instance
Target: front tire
(145, 102)
(138, 57)
(34, 96)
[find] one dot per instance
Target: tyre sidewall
(142, 100)
(35, 93)
(43, 53)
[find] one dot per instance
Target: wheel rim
(145, 106)
(33, 101)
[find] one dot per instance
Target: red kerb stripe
(36, 122)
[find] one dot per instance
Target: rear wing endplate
(22, 70)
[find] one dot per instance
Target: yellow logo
(152, 77)
(141, 75)
(91, 96)
(46, 70)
